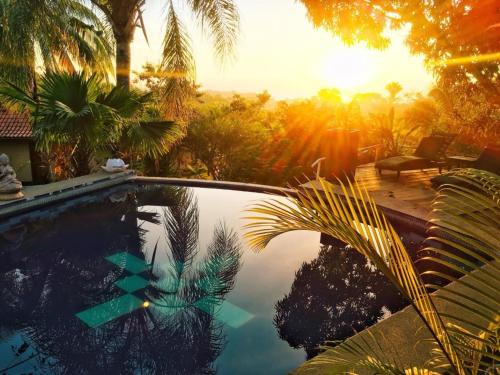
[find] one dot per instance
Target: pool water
(157, 279)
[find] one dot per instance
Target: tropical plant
(423, 113)
(180, 106)
(81, 112)
(468, 111)
(393, 88)
(466, 222)
(220, 17)
(299, 138)
(393, 131)
(58, 34)
(229, 139)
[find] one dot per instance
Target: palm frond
(17, 48)
(368, 351)
(63, 34)
(177, 63)
(222, 19)
(12, 94)
(127, 103)
(215, 276)
(152, 138)
(465, 227)
(182, 229)
(223, 260)
(359, 223)
(177, 56)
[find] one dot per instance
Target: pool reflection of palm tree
(186, 340)
(179, 279)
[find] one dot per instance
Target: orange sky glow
(279, 50)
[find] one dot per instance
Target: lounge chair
(488, 160)
(430, 153)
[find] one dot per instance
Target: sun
(349, 68)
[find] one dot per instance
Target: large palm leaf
(151, 138)
(366, 353)
(68, 111)
(64, 110)
(359, 223)
(466, 221)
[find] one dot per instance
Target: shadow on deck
(411, 194)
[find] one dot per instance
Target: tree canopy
(333, 296)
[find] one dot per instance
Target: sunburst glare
(349, 68)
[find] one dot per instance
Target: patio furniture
(372, 151)
(430, 153)
(488, 160)
(459, 161)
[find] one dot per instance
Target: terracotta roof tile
(14, 125)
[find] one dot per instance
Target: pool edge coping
(63, 191)
(97, 182)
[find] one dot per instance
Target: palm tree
(220, 17)
(464, 331)
(58, 33)
(393, 88)
(74, 110)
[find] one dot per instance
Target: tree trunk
(122, 16)
(123, 58)
(81, 160)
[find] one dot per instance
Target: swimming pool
(158, 279)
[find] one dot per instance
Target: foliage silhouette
(332, 297)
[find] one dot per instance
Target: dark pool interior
(156, 279)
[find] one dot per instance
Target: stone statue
(10, 186)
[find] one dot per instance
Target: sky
(280, 51)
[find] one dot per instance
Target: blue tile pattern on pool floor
(108, 311)
(224, 311)
(129, 262)
(132, 284)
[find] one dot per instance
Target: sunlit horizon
(286, 55)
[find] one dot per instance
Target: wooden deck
(411, 194)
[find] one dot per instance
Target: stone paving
(38, 195)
